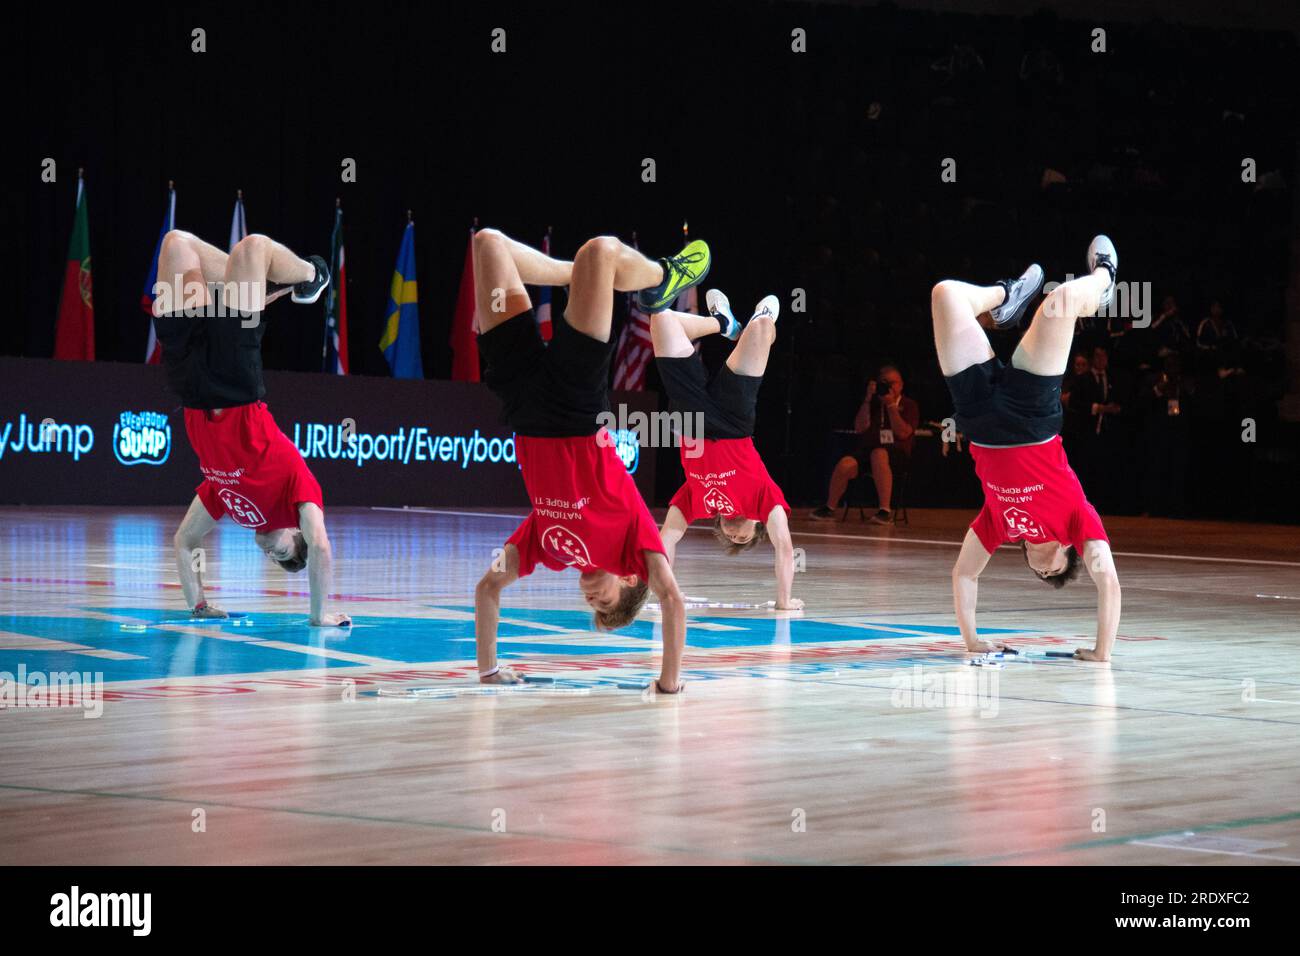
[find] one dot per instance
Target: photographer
(886, 422)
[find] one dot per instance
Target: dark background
(773, 157)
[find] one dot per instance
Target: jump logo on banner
(142, 438)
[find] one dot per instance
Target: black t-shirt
(212, 360)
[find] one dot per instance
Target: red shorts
(251, 470)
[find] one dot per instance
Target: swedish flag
(401, 340)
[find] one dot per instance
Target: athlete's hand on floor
(985, 647)
(209, 611)
(332, 620)
(504, 676)
(794, 605)
(1084, 654)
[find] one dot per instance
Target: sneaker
(1102, 254)
(720, 308)
(305, 293)
(687, 268)
(769, 306)
(822, 514)
(1019, 293)
(882, 517)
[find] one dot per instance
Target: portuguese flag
(74, 334)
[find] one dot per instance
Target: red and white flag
(544, 297)
(635, 349)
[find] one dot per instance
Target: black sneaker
(822, 514)
(1019, 292)
(882, 517)
(305, 293)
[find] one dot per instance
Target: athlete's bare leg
(674, 333)
(959, 337)
(749, 357)
(1045, 347)
(602, 267)
(256, 261)
(187, 262)
(502, 267)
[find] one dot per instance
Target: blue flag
(401, 340)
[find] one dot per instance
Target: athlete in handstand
(725, 478)
(587, 513)
(211, 350)
(1012, 417)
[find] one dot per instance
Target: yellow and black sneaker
(687, 268)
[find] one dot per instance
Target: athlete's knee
(848, 466)
(943, 289)
(599, 247)
(254, 245)
(176, 243)
(486, 239)
(175, 237)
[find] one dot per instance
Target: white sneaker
(720, 307)
(1101, 252)
(1019, 293)
(769, 305)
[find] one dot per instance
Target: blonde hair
(630, 600)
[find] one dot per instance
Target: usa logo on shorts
(1021, 524)
(566, 547)
(242, 511)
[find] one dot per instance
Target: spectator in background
(1096, 405)
(1169, 329)
(887, 421)
(1075, 427)
(1216, 332)
(1162, 404)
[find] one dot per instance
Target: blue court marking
(402, 640)
(166, 654)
